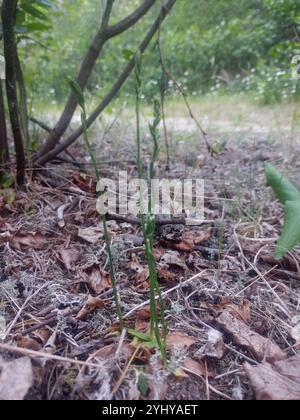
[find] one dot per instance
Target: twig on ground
(15, 320)
(42, 355)
(167, 292)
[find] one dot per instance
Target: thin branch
(166, 8)
(130, 20)
(167, 292)
(160, 221)
(184, 96)
(48, 356)
(40, 124)
(106, 14)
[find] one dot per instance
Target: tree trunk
(4, 153)
(9, 8)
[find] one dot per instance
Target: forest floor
(232, 310)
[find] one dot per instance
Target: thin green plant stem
(148, 223)
(153, 309)
(76, 88)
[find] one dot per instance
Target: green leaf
(45, 3)
(78, 92)
(33, 11)
(6, 181)
(141, 336)
(143, 385)
(283, 188)
(20, 18)
(291, 231)
(127, 54)
(37, 26)
(218, 147)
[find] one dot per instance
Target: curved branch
(130, 20)
(40, 124)
(166, 8)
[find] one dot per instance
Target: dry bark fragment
(260, 346)
(280, 381)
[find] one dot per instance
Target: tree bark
(166, 8)
(4, 152)
(104, 34)
(9, 8)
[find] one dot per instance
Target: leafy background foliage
(211, 47)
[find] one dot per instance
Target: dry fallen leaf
(241, 311)
(34, 240)
(99, 280)
(180, 339)
(295, 331)
(167, 276)
(84, 182)
(196, 367)
(69, 258)
(91, 305)
(141, 272)
(91, 235)
(110, 350)
(172, 258)
(260, 346)
(16, 378)
(214, 347)
(190, 239)
(30, 240)
(28, 343)
(280, 381)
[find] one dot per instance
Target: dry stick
(184, 95)
(46, 157)
(167, 292)
(39, 354)
(214, 390)
(160, 221)
(286, 311)
(50, 320)
(122, 377)
(13, 323)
